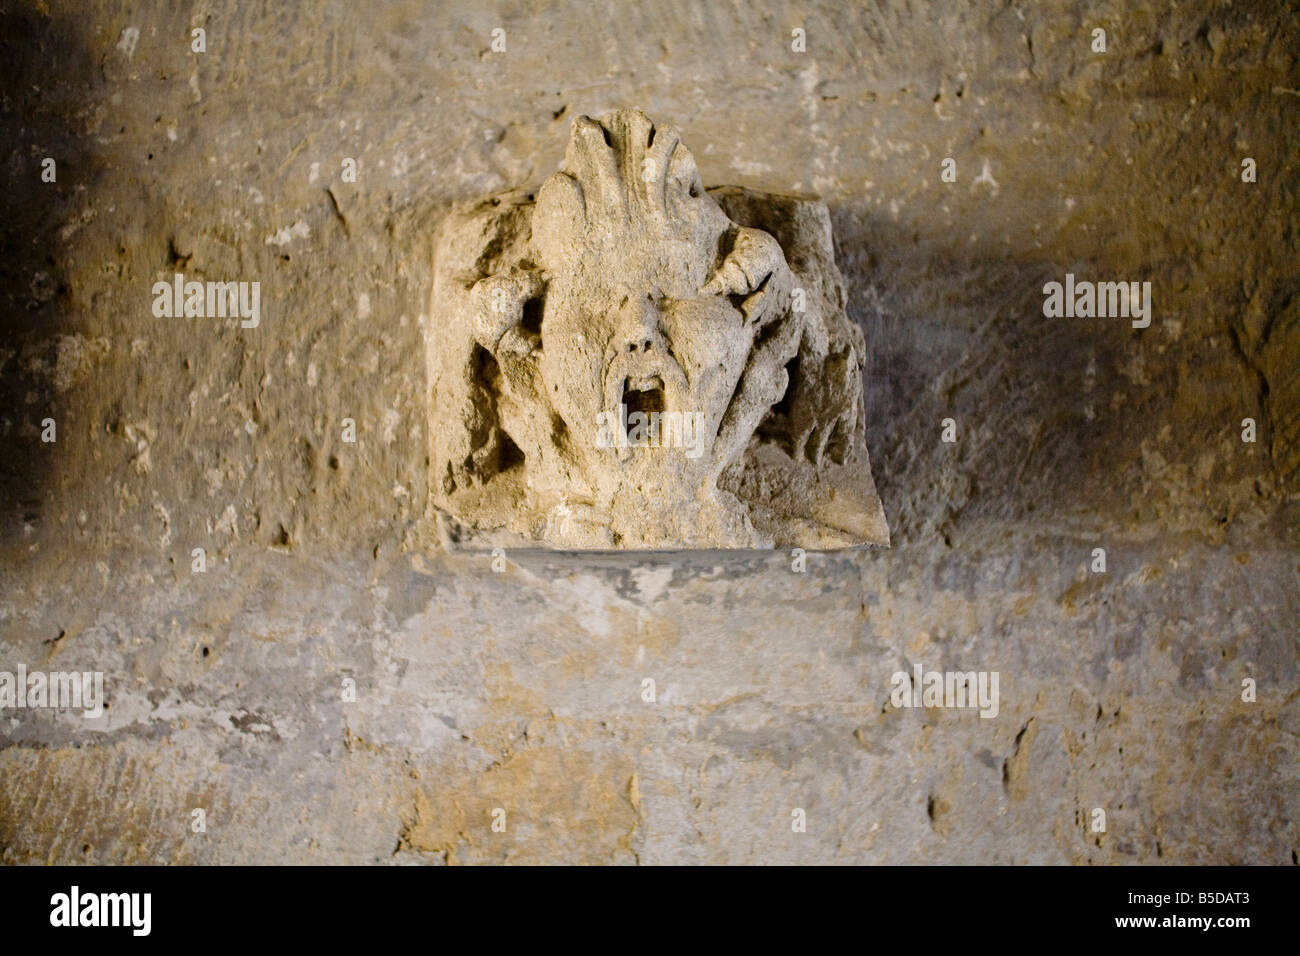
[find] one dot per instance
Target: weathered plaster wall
(522, 690)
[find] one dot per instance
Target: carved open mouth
(644, 395)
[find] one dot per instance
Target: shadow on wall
(41, 103)
(1055, 419)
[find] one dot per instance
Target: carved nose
(639, 326)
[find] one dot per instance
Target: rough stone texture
(620, 365)
(523, 689)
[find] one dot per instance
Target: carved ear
(754, 256)
(755, 271)
(504, 315)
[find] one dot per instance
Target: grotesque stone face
(620, 364)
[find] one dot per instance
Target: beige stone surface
(524, 689)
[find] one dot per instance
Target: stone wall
(524, 689)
